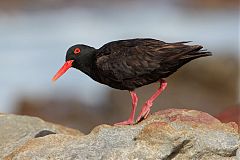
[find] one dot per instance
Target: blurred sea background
(34, 37)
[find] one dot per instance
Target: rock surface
(168, 134)
(15, 131)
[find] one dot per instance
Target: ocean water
(33, 44)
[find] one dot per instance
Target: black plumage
(129, 64)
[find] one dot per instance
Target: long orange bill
(62, 70)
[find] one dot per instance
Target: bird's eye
(77, 51)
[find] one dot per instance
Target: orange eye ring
(77, 51)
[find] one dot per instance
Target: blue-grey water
(33, 44)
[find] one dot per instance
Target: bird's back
(128, 64)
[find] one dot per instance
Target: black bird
(132, 63)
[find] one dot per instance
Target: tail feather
(196, 52)
(192, 53)
(179, 54)
(186, 52)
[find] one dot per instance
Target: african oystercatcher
(132, 63)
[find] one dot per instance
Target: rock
(231, 114)
(168, 134)
(15, 131)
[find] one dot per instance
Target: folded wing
(136, 58)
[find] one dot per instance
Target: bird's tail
(194, 52)
(188, 53)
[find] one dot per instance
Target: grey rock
(165, 135)
(15, 131)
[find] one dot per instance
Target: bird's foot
(127, 122)
(145, 111)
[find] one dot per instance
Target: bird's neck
(86, 64)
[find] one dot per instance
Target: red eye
(77, 50)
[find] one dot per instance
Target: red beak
(62, 70)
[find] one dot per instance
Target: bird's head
(74, 58)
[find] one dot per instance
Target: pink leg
(148, 104)
(134, 105)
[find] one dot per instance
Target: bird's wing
(128, 59)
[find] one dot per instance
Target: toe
(128, 122)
